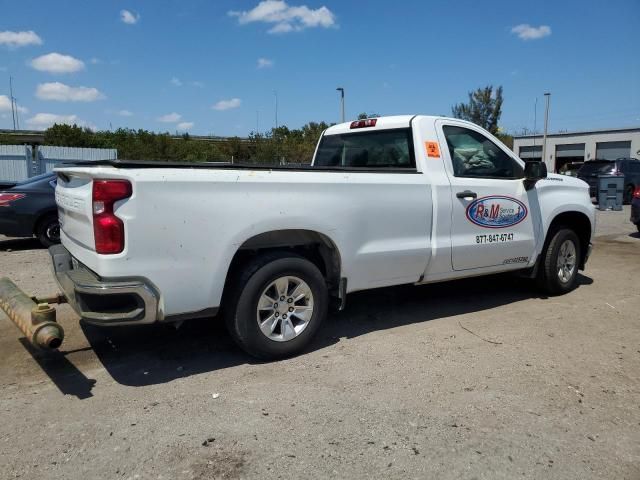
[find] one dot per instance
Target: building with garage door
(569, 147)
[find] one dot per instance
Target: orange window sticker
(433, 150)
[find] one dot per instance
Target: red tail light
(369, 122)
(6, 198)
(636, 194)
(108, 229)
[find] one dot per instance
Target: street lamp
(547, 95)
(341, 90)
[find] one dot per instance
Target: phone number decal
(495, 238)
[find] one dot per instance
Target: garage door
(613, 150)
(572, 150)
(531, 153)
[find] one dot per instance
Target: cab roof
(382, 123)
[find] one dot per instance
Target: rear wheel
(276, 305)
(558, 272)
(48, 231)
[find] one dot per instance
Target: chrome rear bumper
(103, 301)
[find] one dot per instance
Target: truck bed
(129, 164)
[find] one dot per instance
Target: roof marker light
(369, 122)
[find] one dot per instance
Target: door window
(475, 156)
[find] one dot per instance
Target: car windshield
(597, 167)
(37, 178)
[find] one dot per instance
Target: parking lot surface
(480, 378)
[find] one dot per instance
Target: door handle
(467, 194)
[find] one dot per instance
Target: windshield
(381, 149)
(597, 167)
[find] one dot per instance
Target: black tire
(48, 230)
(549, 278)
(241, 304)
(638, 227)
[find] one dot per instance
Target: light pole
(341, 90)
(547, 95)
(275, 94)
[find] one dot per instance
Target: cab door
(491, 222)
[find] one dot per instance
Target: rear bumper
(103, 301)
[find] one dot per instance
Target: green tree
(365, 115)
(484, 108)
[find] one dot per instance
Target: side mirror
(534, 171)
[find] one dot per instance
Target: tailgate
(73, 196)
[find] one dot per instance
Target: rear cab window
(382, 149)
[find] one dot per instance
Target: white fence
(17, 162)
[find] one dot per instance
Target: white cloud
(265, 63)
(197, 84)
(42, 121)
(19, 39)
(286, 18)
(57, 63)
(5, 105)
(128, 17)
(527, 32)
(95, 61)
(185, 126)
(175, 82)
(227, 104)
(125, 113)
(170, 118)
(64, 93)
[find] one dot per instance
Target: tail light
(636, 194)
(108, 229)
(7, 198)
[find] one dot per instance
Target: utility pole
(341, 90)
(13, 110)
(535, 120)
(275, 93)
(546, 123)
(257, 122)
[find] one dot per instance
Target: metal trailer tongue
(35, 317)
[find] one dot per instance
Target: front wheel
(276, 305)
(558, 272)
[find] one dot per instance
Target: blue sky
(211, 67)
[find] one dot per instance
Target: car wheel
(558, 272)
(276, 305)
(48, 231)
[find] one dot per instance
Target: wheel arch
(579, 223)
(41, 216)
(314, 246)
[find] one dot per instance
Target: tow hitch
(35, 317)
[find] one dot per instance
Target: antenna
(13, 111)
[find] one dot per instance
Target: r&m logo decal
(496, 211)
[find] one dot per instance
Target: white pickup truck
(387, 201)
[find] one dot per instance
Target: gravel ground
(469, 379)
